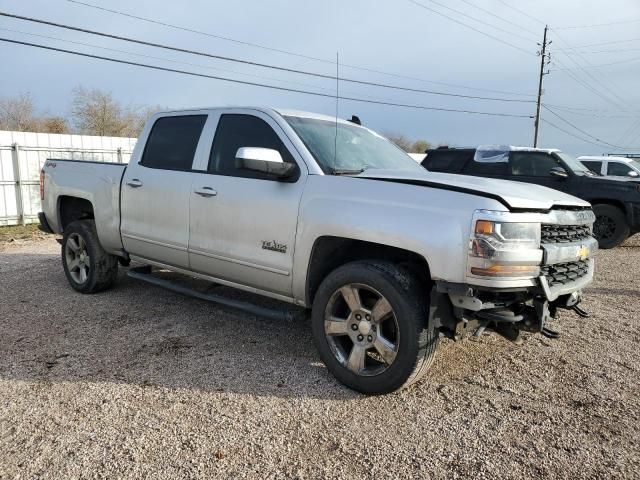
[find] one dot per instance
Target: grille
(563, 273)
(564, 233)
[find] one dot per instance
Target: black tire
(100, 269)
(409, 301)
(611, 227)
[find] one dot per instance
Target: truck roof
(500, 148)
(605, 157)
(270, 110)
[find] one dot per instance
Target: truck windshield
(358, 148)
(575, 165)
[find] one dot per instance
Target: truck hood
(513, 195)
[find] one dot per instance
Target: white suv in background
(612, 166)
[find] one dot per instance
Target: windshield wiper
(346, 171)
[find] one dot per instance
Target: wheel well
(73, 208)
(330, 252)
(613, 203)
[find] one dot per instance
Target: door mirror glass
(264, 160)
(558, 172)
(633, 173)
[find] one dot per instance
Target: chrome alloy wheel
(361, 329)
(77, 258)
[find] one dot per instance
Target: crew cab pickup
(616, 202)
(329, 216)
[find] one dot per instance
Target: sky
(592, 87)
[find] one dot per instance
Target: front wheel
(89, 269)
(369, 324)
(611, 227)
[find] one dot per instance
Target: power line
(586, 85)
(493, 14)
(619, 62)
(470, 27)
(258, 64)
(522, 12)
(183, 63)
(615, 50)
(153, 57)
(458, 12)
(585, 132)
(569, 133)
(610, 91)
(591, 113)
(256, 84)
(288, 52)
(602, 43)
(599, 24)
(200, 32)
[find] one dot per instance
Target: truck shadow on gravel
(144, 335)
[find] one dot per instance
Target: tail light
(41, 184)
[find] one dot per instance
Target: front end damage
(523, 268)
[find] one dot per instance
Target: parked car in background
(616, 202)
(620, 167)
(330, 216)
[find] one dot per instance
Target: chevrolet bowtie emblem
(583, 252)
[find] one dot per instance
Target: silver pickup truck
(330, 216)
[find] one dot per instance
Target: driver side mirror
(558, 172)
(264, 160)
(633, 173)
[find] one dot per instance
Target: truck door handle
(206, 192)
(134, 183)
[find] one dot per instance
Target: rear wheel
(89, 269)
(369, 324)
(610, 227)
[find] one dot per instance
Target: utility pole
(544, 59)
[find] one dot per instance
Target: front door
(535, 167)
(243, 224)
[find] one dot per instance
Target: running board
(144, 274)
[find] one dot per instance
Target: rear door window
(172, 142)
(593, 165)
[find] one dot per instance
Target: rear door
(156, 189)
(595, 166)
(243, 224)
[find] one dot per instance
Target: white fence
(22, 155)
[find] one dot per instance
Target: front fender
(432, 223)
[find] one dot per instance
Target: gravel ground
(138, 381)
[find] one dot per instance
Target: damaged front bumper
(461, 309)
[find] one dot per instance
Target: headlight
(505, 249)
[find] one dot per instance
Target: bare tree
(420, 146)
(53, 124)
(400, 140)
(95, 112)
(409, 146)
(17, 113)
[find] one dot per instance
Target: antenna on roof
(335, 142)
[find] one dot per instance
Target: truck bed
(96, 182)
